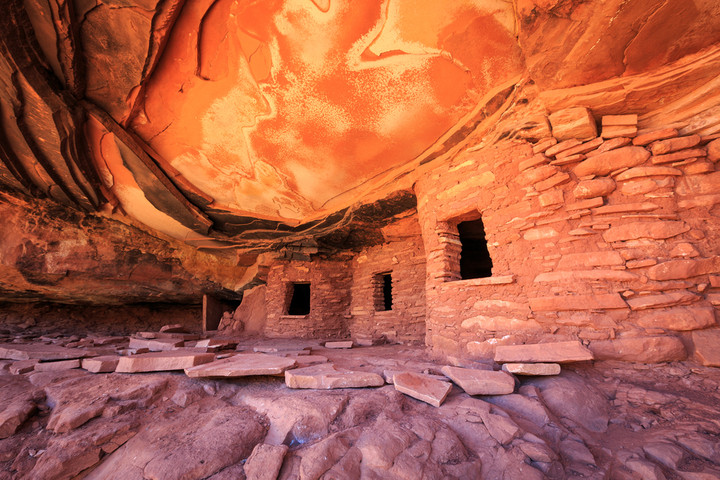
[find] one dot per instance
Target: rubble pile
(132, 407)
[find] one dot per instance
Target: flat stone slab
(162, 361)
(707, 346)
(216, 342)
(390, 375)
(532, 369)
(174, 328)
(326, 376)
(168, 336)
(132, 351)
(288, 353)
(57, 365)
(156, 345)
(23, 366)
(104, 364)
(422, 388)
(220, 356)
(188, 337)
(265, 349)
(14, 415)
(552, 352)
(108, 340)
(265, 461)
(342, 344)
(197, 349)
(480, 382)
(146, 334)
(364, 341)
(242, 365)
(28, 351)
(307, 360)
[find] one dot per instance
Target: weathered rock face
(64, 255)
(196, 116)
(160, 152)
(208, 117)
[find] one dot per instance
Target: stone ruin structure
(574, 166)
(459, 177)
(601, 234)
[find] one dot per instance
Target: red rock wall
(49, 318)
(404, 257)
(329, 299)
(48, 253)
(618, 249)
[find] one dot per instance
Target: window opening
(383, 292)
(300, 299)
(475, 261)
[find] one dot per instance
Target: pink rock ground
(659, 418)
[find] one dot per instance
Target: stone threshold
(480, 282)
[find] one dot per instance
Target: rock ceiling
(229, 123)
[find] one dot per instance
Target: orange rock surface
(170, 150)
(204, 118)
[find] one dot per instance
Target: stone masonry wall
(329, 299)
(403, 257)
(612, 239)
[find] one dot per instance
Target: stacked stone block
(404, 257)
(329, 299)
(609, 239)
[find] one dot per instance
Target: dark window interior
(382, 294)
(300, 299)
(387, 291)
(475, 261)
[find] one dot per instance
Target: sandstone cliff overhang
(246, 127)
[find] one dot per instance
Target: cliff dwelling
(379, 239)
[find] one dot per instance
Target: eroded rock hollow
(482, 182)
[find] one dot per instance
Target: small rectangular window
(299, 299)
(383, 292)
(475, 261)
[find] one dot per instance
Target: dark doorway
(383, 292)
(300, 299)
(475, 261)
(213, 309)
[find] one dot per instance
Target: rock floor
(601, 420)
